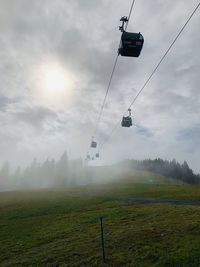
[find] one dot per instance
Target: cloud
(5, 101)
(83, 37)
(35, 116)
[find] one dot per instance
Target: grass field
(61, 228)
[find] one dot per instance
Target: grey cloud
(189, 138)
(84, 37)
(5, 101)
(191, 134)
(36, 116)
(144, 131)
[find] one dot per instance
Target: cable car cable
(111, 77)
(130, 12)
(165, 54)
(155, 69)
(105, 97)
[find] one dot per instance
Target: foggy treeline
(65, 173)
(172, 169)
(50, 173)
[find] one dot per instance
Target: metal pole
(102, 240)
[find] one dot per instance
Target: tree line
(65, 172)
(172, 169)
(50, 173)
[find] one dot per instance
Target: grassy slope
(61, 228)
(142, 184)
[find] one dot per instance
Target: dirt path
(146, 200)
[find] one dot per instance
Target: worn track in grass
(146, 200)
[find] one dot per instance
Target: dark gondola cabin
(131, 44)
(126, 121)
(97, 155)
(93, 144)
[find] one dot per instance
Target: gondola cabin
(97, 155)
(131, 44)
(88, 157)
(126, 121)
(93, 144)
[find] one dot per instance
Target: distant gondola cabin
(126, 121)
(131, 44)
(93, 144)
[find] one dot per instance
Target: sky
(56, 58)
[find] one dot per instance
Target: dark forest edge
(172, 169)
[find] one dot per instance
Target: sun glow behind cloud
(55, 80)
(54, 84)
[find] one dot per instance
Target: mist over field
(66, 173)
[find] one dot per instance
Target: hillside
(61, 227)
(118, 174)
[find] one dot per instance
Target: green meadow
(61, 227)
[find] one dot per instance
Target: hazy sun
(54, 82)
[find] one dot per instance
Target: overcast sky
(55, 61)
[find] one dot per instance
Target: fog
(65, 173)
(61, 173)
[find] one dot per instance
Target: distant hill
(68, 173)
(172, 169)
(124, 175)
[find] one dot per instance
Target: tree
(5, 176)
(62, 171)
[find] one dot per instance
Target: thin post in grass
(102, 240)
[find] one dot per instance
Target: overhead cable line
(105, 97)
(155, 69)
(111, 77)
(165, 54)
(130, 12)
